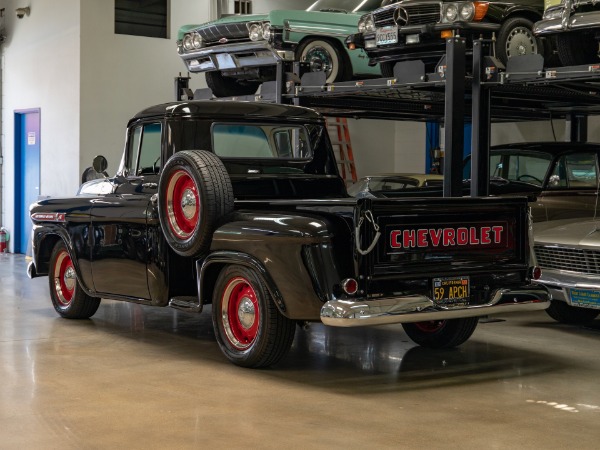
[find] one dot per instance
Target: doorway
(27, 174)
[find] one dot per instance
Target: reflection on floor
(142, 377)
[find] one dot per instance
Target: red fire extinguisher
(4, 236)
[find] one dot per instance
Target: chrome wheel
(520, 41)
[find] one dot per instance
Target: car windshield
(529, 167)
(345, 5)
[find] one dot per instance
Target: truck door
(120, 250)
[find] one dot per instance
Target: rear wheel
(68, 298)
(576, 49)
(564, 313)
(249, 328)
(223, 86)
(441, 333)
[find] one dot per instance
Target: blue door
(27, 174)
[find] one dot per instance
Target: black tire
(325, 55)
(258, 336)
(222, 86)
(441, 333)
(387, 68)
(68, 298)
(565, 313)
(516, 38)
(194, 193)
(576, 49)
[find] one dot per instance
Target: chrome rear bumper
(578, 21)
(418, 308)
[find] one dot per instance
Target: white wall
(40, 66)
(121, 75)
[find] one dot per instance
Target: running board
(186, 303)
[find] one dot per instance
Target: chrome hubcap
(246, 313)
(188, 204)
(521, 42)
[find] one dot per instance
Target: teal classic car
(237, 53)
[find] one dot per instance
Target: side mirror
(100, 164)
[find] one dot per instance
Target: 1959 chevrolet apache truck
(240, 205)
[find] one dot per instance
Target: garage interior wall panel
(121, 75)
(264, 6)
(40, 65)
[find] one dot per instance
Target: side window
(150, 150)
(575, 171)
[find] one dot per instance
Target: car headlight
(197, 40)
(255, 31)
(366, 24)
(450, 12)
(466, 11)
(188, 43)
(266, 31)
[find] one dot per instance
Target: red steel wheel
(68, 297)
(441, 333)
(430, 326)
(249, 328)
(241, 313)
(64, 279)
(182, 202)
(195, 192)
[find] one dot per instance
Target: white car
(569, 254)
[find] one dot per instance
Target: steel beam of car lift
(481, 120)
(454, 116)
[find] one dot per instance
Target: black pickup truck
(240, 205)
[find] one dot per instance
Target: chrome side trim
(418, 308)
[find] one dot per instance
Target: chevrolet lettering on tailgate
(491, 236)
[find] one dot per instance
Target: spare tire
(194, 193)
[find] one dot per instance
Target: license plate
(585, 298)
(451, 291)
(386, 35)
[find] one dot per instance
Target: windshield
(345, 5)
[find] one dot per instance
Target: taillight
(350, 286)
(535, 272)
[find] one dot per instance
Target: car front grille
(564, 258)
(419, 14)
(233, 32)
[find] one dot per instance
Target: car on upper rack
(238, 53)
(575, 25)
(417, 30)
(569, 254)
(562, 176)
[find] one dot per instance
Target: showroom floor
(154, 378)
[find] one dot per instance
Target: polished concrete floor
(153, 378)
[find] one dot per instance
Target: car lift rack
(523, 90)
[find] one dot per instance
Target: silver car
(569, 255)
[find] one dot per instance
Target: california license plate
(451, 291)
(386, 35)
(585, 298)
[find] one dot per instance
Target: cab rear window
(260, 141)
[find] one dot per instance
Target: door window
(144, 150)
(575, 171)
